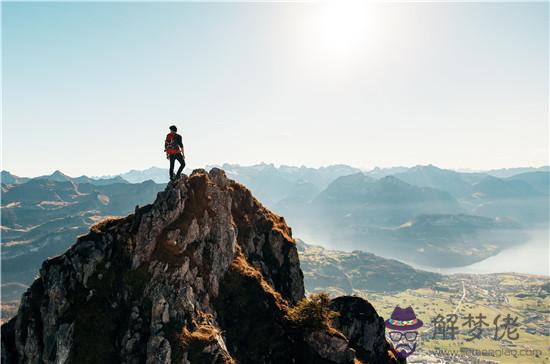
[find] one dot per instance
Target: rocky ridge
(205, 274)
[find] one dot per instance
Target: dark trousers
(179, 158)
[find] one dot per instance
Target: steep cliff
(205, 274)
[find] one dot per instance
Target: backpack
(170, 142)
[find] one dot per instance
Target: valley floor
(521, 296)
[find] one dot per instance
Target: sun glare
(342, 29)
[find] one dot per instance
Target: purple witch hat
(403, 319)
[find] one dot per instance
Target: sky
(91, 88)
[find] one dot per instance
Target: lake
(532, 257)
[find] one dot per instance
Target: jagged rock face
(360, 323)
(203, 275)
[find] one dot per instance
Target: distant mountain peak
(8, 178)
(392, 180)
(58, 174)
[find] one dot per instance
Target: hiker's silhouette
(173, 146)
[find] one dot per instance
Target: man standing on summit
(173, 146)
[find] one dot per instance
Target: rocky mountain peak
(204, 274)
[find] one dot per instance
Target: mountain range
(41, 217)
(423, 222)
(423, 214)
(58, 176)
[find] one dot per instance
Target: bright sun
(342, 29)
